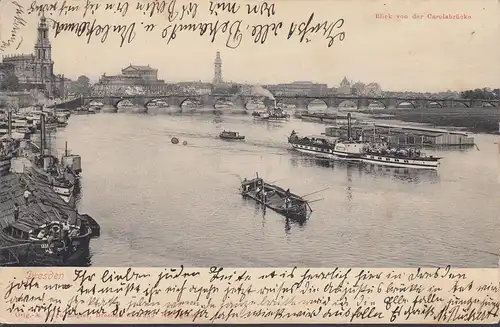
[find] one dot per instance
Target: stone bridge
(335, 101)
(300, 102)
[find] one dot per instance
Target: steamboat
(276, 198)
(274, 113)
(328, 147)
(399, 157)
(379, 154)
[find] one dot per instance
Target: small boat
(276, 198)
(227, 135)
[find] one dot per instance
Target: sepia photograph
(249, 134)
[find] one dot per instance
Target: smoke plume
(259, 90)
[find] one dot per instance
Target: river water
(161, 204)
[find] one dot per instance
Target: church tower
(218, 69)
(43, 57)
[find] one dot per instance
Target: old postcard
(211, 151)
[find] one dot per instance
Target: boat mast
(9, 122)
(42, 134)
(349, 136)
(66, 149)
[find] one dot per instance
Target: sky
(421, 55)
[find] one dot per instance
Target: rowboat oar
(315, 200)
(315, 192)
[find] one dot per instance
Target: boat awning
(322, 137)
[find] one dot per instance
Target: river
(161, 204)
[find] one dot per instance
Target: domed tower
(217, 69)
(43, 57)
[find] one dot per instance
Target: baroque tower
(218, 69)
(43, 69)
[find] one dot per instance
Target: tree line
(481, 94)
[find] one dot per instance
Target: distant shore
(476, 120)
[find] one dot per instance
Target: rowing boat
(276, 198)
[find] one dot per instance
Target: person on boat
(42, 233)
(26, 196)
(16, 211)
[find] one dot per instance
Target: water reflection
(409, 175)
(264, 212)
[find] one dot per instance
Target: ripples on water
(161, 204)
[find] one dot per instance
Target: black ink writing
(93, 29)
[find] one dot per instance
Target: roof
(422, 129)
(324, 137)
(137, 67)
(45, 205)
(345, 81)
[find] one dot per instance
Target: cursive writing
(229, 22)
(18, 23)
(219, 294)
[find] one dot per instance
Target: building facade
(345, 87)
(299, 88)
(36, 70)
(134, 79)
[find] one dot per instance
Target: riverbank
(476, 120)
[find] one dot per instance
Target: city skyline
(400, 56)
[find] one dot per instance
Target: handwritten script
(217, 294)
(232, 22)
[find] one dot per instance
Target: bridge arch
(319, 104)
(378, 103)
(406, 102)
(221, 101)
(491, 103)
(146, 105)
(255, 101)
(347, 103)
(461, 103)
(431, 103)
(117, 102)
(191, 99)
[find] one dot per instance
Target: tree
(81, 86)
(235, 89)
(10, 82)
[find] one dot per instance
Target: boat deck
(44, 204)
(275, 199)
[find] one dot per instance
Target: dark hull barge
(277, 199)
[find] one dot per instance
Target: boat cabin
(249, 185)
(231, 135)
